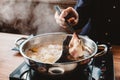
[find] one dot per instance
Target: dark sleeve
(83, 7)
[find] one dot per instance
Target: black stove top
(102, 68)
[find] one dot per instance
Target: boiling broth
(48, 53)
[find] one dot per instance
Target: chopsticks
(69, 26)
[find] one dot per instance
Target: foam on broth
(49, 53)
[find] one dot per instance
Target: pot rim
(57, 63)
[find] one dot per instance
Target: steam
(6, 11)
(27, 16)
(46, 23)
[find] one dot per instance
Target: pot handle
(19, 41)
(103, 50)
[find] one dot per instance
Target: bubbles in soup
(45, 53)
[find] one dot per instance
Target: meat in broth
(76, 47)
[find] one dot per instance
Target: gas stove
(101, 68)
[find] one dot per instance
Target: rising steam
(28, 16)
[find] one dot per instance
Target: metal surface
(63, 67)
(103, 69)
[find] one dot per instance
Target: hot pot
(57, 68)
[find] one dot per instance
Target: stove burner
(100, 69)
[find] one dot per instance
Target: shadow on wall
(30, 16)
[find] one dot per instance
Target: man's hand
(70, 14)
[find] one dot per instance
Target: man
(98, 19)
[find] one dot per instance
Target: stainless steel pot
(62, 67)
